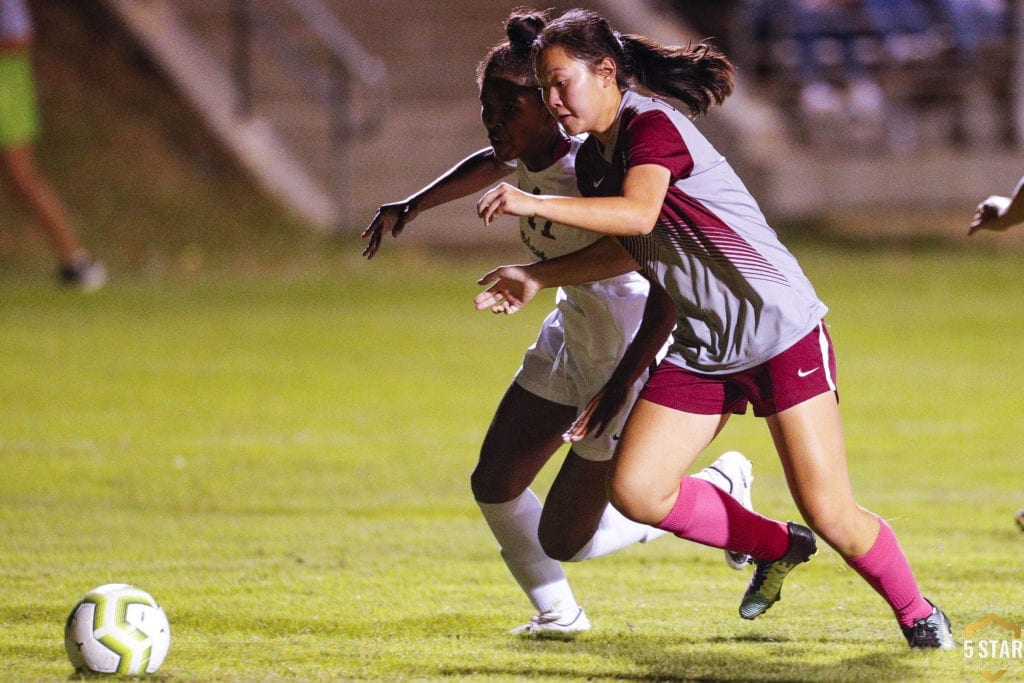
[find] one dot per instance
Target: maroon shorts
(802, 371)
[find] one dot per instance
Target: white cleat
(555, 624)
(733, 473)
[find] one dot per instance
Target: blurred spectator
(872, 75)
(907, 28)
(19, 125)
(828, 45)
(977, 24)
(981, 34)
(919, 76)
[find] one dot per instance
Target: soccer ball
(117, 628)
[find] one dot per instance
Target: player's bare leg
(76, 266)
(524, 434)
(809, 438)
(648, 485)
(33, 189)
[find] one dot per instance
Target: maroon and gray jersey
(740, 295)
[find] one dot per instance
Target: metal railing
(295, 54)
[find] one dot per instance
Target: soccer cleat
(555, 624)
(83, 274)
(1019, 517)
(765, 588)
(932, 631)
(733, 473)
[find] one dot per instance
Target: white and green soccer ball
(117, 628)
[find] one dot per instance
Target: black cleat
(931, 631)
(765, 587)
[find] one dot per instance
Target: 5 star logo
(993, 638)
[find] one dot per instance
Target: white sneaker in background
(733, 473)
(84, 274)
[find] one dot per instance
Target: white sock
(514, 525)
(615, 531)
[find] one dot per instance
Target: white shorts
(550, 370)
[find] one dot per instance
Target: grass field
(274, 437)
(283, 462)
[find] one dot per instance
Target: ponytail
(699, 75)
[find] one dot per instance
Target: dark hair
(512, 58)
(698, 75)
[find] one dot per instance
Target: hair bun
(523, 28)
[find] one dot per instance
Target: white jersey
(583, 340)
(543, 238)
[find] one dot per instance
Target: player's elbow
(640, 224)
(640, 230)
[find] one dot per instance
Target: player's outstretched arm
(634, 212)
(477, 171)
(512, 287)
(659, 319)
(1000, 213)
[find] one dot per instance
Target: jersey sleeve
(652, 138)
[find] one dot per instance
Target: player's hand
(511, 288)
(989, 215)
(390, 219)
(581, 426)
(600, 410)
(505, 199)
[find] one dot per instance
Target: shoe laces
(555, 617)
(928, 631)
(545, 618)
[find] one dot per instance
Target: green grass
(274, 437)
(283, 462)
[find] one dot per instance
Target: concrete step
(204, 79)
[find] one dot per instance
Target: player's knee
(559, 548)
(493, 482)
(835, 524)
(635, 502)
(562, 537)
(487, 485)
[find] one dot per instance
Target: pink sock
(706, 514)
(885, 567)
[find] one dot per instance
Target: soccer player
(19, 123)
(749, 325)
(999, 212)
(579, 345)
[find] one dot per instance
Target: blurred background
(172, 126)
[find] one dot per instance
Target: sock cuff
(881, 549)
(886, 569)
(678, 518)
(527, 500)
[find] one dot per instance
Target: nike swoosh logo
(597, 183)
(806, 373)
